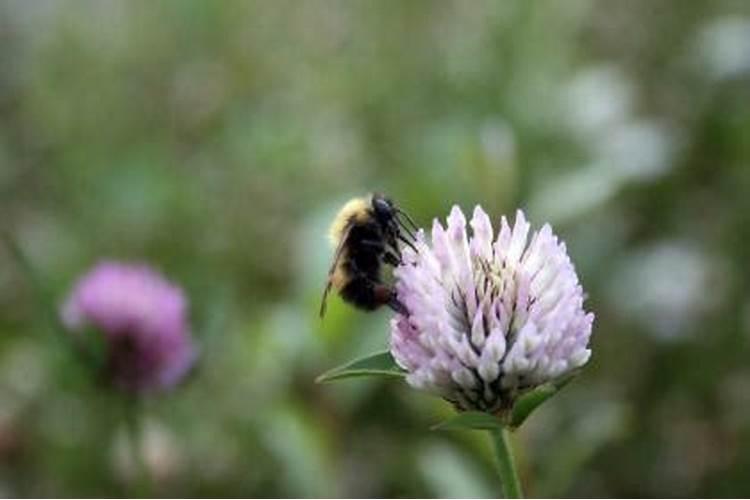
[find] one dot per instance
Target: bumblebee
(366, 234)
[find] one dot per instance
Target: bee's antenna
(406, 229)
(409, 219)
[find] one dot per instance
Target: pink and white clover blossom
(489, 316)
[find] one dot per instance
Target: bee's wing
(329, 282)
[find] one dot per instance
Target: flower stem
(141, 481)
(506, 464)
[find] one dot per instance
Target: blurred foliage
(217, 139)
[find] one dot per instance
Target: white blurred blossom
(597, 99)
(159, 448)
(724, 47)
(664, 288)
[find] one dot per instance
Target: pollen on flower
(143, 320)
(489, 316)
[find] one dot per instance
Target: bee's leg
(381, 293)
(391, 254)
(391, 258)
(397, 305)
(407, 242)
(386, 296)
(393, 246)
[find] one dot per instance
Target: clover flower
(143, 320)
(488, 317)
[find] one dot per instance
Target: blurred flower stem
(506, 465)
(141, 480)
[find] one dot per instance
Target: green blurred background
(217, 139)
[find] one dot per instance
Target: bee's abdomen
(364, 293)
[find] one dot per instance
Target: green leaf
(473, 420)
(379, 364)
(531, 400)
(45, 303)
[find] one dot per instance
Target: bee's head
(383, 209)
(391, 218)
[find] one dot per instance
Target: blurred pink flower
(143, 319)
(489, 318)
